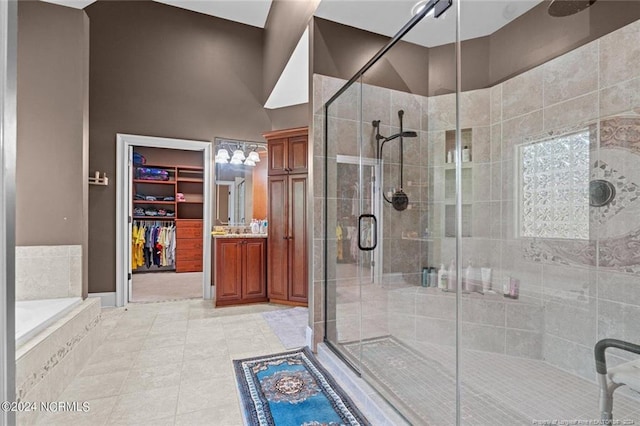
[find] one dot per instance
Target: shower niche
(449, 171)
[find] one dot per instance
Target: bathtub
(54, 340)
(34, 316)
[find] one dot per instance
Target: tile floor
(168, 364)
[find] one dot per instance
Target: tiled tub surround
(48, 272)
(48, 362)
(572, 292)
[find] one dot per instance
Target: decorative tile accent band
(36, 377)
(621, 132)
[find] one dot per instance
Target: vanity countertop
(239, 236)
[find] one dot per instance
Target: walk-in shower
(520, 164)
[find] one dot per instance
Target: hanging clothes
(152, 244)
(137, 245)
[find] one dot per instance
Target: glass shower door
(385, 139)
(345, 225)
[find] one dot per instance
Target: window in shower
(554, 187)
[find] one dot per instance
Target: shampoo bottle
(467, 282)
(466, 154)
(433, 277)
(506, 286)
(442, 277)
(451, 276)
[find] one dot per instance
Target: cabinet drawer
(190, 232)
(189, 254)
(188, 223)
(189, 243)
(188, 265)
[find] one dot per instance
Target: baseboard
(107, 299)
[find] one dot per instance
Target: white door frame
(8, 135)
(123, 142)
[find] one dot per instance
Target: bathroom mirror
(240, 181)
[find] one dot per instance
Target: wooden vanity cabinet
(240, 270)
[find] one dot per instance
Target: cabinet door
(277, 253)
(278, 157)
(298, 276)
(228, 270)
(298, 155)
(253, 284)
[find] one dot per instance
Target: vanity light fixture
(238, 152)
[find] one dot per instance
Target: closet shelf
(189, 202)
(197, 180)
(152, 202)
(163, 182)
(158, 218)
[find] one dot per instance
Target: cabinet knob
(285, 238)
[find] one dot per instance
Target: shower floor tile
(496, 389)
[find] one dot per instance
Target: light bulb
(238, 154)
(253, 156)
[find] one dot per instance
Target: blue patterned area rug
(291, 388)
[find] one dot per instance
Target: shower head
(407, 134)
(562, 8)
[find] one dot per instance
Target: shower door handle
(373, 229)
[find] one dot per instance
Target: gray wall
(289, 117)
(340, 51)
(53, 93)
(165, 71)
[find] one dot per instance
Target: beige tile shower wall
(568, 301)
(48, 272)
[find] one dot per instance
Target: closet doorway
(164, 213)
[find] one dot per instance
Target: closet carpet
(166, 286)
